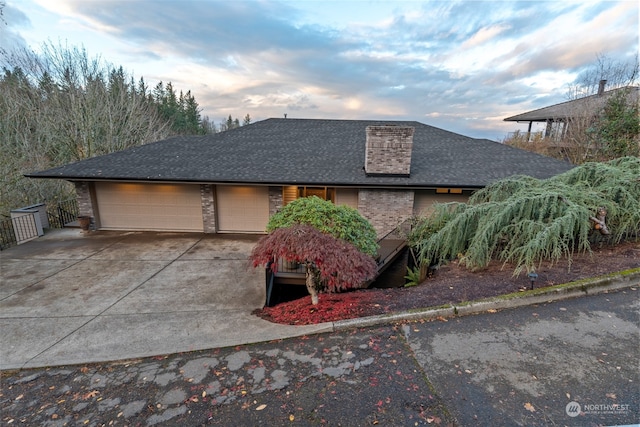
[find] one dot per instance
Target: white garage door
(242, 209)
(170, 207)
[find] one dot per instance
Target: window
(290, 193)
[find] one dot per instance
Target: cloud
(484, 35)
(458, 64)
(10, 20)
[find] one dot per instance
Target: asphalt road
(536, 365)
(573, 362)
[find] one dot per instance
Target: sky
(462, 66)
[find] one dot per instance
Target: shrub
(342, 222)
(526, 221)
(331, 263)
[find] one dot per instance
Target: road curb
(592, 286)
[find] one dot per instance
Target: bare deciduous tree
(616, 73)
(601, 121)
(61, 106)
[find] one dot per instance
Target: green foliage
(618, 127)
(413, 277)
(342, 222)
(62, 106)
(181, 111)
(525, 221)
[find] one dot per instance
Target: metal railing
(61, 213)
(27, 225)
(19, 229)
(7, 234)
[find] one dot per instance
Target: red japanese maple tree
(330, 262)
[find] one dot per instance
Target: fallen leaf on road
(261, 407)
(90, 394)
(291, 417)
(611, 395)
(431, 420)
(529, 407)
(492, 310)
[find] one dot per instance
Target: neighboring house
(561, 118)
(231, 182)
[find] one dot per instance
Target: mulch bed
(451, 284)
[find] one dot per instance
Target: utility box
(42, 211)
(27, 224)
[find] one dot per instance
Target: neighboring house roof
(575, 108)
(310, 152)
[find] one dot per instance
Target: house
(231, 182)
(561, 118)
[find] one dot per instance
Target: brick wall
(208, 208)
(385, 209)
(388, 150)
(85, 201)
(275, 199)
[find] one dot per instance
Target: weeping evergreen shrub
(525, 221)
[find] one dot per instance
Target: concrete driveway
(70, 298)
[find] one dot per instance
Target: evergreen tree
(62, 106)
(526, 221)
(618, 128)
(230, 123)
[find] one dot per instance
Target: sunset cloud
(461, 65)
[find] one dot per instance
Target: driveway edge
(592, 286)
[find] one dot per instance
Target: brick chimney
(388, 150)
(601, 86)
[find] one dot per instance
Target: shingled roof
(310, 152)
(575, 108)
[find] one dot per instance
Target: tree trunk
(311, 283)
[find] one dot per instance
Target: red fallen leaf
(331, 307)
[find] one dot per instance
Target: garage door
(170, 207)
(242, 209)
